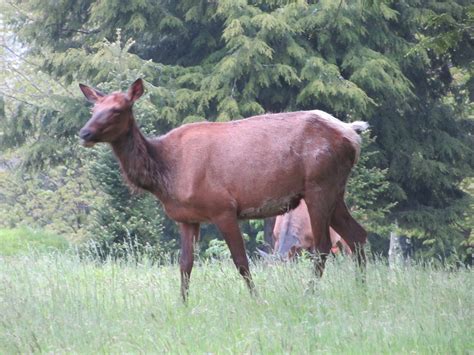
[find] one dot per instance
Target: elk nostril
(85, 134)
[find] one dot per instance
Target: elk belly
(271, 207)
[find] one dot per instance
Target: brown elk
(292, 234)
(221, 172)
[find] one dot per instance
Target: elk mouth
(86, 143)
(86, 138)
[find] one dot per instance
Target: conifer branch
(20, 10)
(3, 93)
(21, 57)
(86, 32)
(25, 78)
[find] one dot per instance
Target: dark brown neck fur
(140, 161)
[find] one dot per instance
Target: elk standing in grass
(222, 172)
(292, 234)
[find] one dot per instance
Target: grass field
(24, 240)
(57, 303)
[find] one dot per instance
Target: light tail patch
(359, 126)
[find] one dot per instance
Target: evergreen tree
(227, 59)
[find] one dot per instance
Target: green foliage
(368, 191)
(57, 200)
(20, 241)
(446, 30)
(217, 249)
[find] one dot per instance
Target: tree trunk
(395, 257)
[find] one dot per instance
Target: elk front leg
(189, 235)
(229, 227)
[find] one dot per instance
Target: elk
(216, 172)
(292, 234)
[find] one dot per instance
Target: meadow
(60, 302)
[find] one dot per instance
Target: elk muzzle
(87, 137)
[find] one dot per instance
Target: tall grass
(63, 303)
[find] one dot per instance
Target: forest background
(406, 67)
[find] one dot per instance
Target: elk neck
(141, 161)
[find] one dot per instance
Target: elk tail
(359, 126)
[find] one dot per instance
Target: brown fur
(258, 167)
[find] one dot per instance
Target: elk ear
(135, 90)
(92, 95)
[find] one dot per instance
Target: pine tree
(227, 59)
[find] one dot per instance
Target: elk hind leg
(319, 214)
(350, 230)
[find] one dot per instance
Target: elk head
(111, 115)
